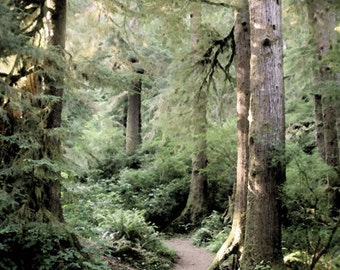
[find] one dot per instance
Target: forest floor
(190, 256)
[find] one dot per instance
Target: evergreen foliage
(117, 204)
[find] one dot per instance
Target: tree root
(230, 247)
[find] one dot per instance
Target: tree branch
(218, 4)
(210, 59)
(13, 79)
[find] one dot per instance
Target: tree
(133, 119)
(38, 111)
(322, 19)
(55, 29)
(262, 242)
(30, 180)
(197, 207)
(234, 242)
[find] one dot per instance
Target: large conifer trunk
(266, 136)
(234, 242)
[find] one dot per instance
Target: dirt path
(190, 256)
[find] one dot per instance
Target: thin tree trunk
(234, 242)
(55, 29)
(266, 137)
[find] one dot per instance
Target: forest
(127, 123)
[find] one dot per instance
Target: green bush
(96, 213)
(134, 239)
(81, 201)
(212, 233)
(159, 187)
(165, 202)
(41, 246)
(308, 229)
(125, 224)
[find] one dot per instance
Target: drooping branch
(211, 60)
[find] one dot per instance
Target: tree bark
(266, 137)
(197, 206)
(133, 137)
(322, 22)
(320, 138)
(133, 119)
(234, 242)
(55, 31)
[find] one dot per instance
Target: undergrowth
(96, 214)
(212, 233)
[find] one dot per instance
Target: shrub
(309, 232)
(212, 233)
(134, 239)
(40, 246)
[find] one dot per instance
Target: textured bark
(55, 30)
(266, 137)
(332, 153)
(234, 242)
(133, 120)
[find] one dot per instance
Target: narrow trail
(190, 256)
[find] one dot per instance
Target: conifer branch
(211, 62)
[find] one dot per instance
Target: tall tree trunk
(322, 21)
(55, 31)
(234, 242)
(133, 137)
(196, 207)
(266, 137)
(40, 200)
(34, 219)
(332, 153)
